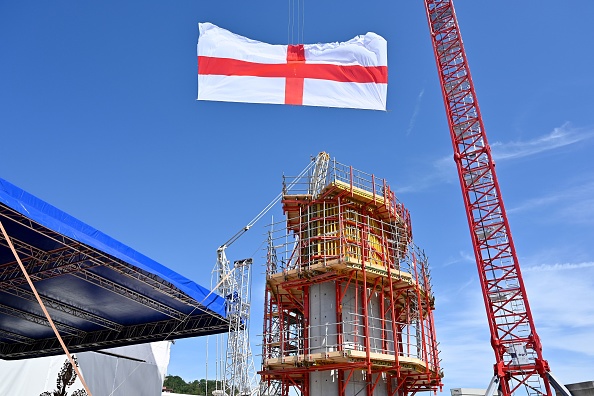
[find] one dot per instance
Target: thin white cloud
(579, 212)
(463, 333)
(558, 267)
(561, 295)
(562, 136)
(443, 171)
(539, 202)
(413, 119)
(560, 298)
(573, 204)
(463, 257)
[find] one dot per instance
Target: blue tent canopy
(99, 292)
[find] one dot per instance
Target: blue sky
(98, 117)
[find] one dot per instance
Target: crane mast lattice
(239, 374)
(518, 350)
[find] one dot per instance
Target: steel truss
(63, 307)
(38, 319)
(142, 333)
(74, 253)
(518, 350)
(239, 374)
(69, 257)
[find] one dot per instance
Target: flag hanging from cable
(233, 68)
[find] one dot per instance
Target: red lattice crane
(518, 350)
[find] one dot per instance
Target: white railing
(377, 188)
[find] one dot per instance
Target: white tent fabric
(132, 370)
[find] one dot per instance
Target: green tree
(196, 387)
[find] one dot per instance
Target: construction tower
(348, 301)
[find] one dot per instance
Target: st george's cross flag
(233, 68)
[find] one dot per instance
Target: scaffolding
(237, 375)
(348, 302)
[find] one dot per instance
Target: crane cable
(296, 21)
(268, 207)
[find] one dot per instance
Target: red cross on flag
(233, 68)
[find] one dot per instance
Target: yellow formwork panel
(327, 232)
(361, 194)
(338, 228)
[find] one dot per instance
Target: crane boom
(517, 347)
(234, 284)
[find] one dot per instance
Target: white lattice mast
(238, 371)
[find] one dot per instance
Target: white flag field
(233, 68)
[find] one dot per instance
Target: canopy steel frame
(79, 268)
(63, 307)
(38, 319)
(146, 332)
(87, 257)
(167, 311)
